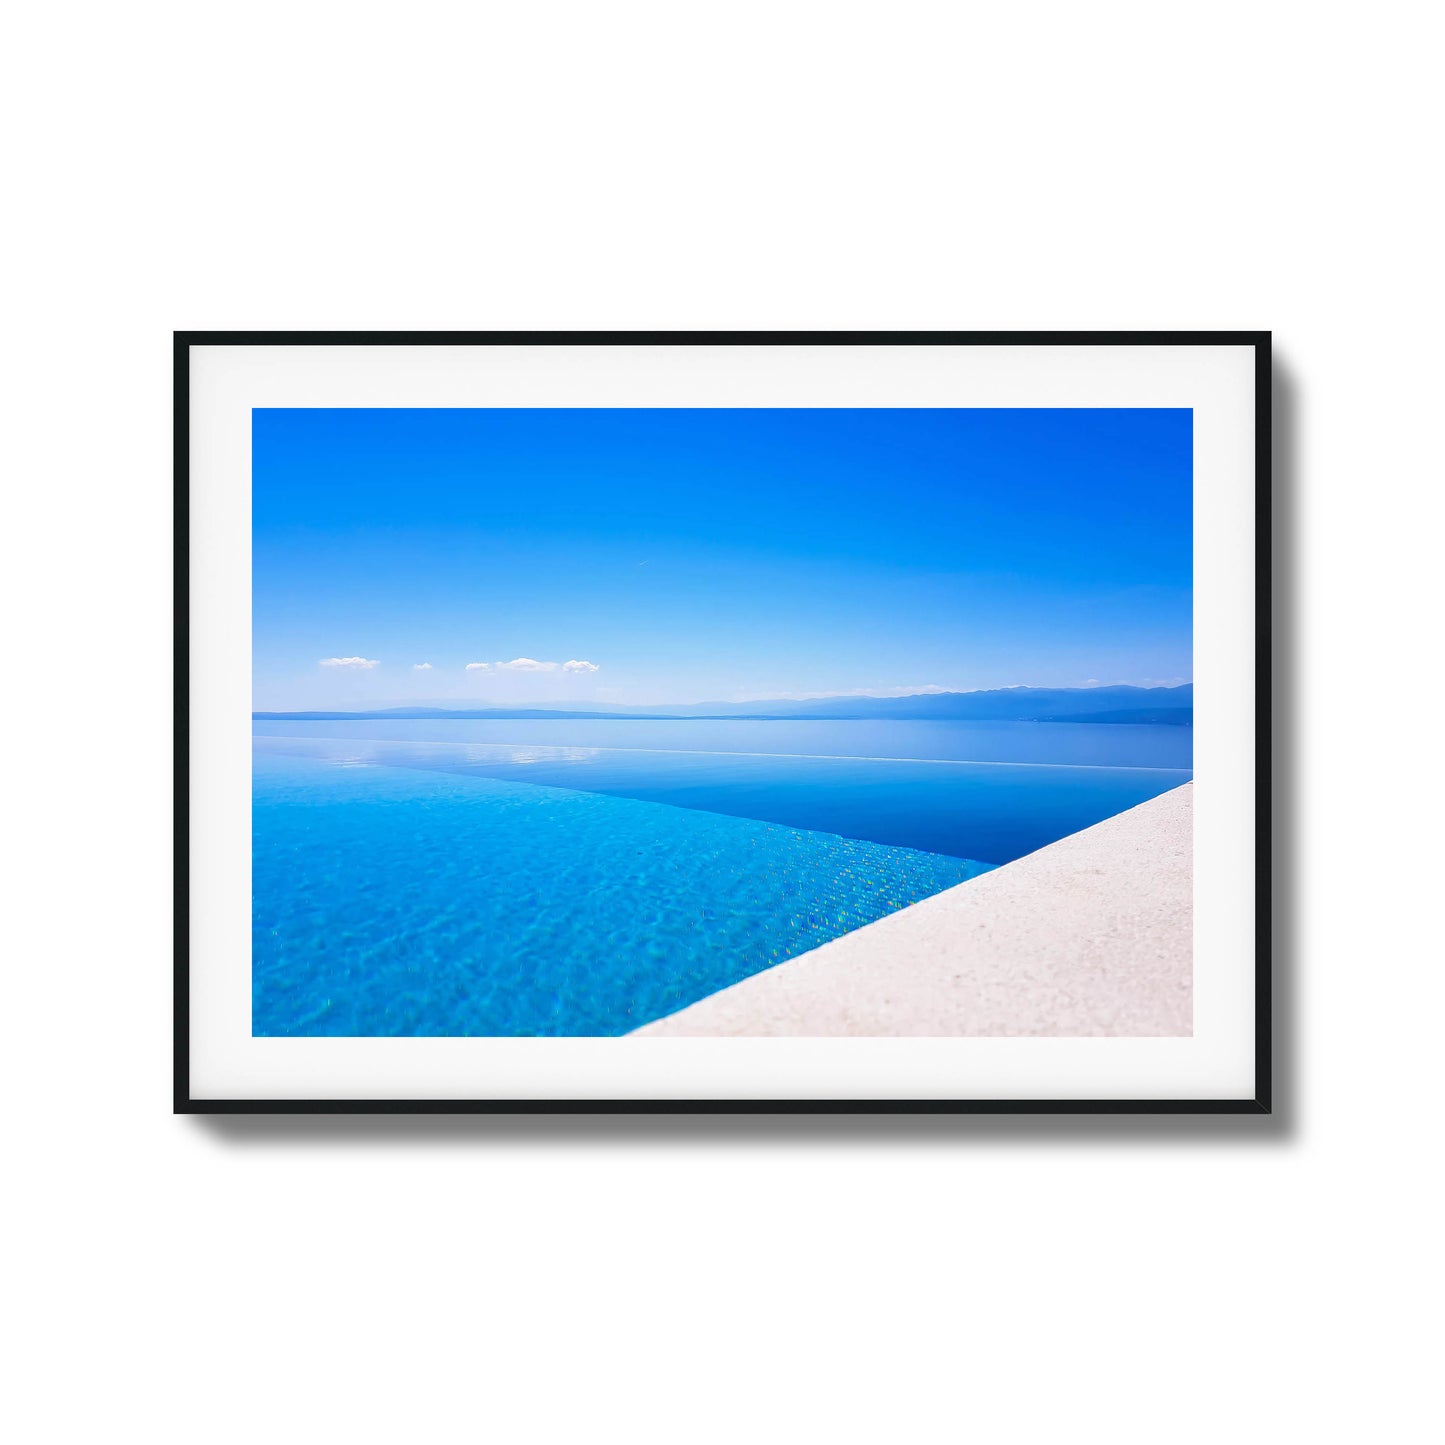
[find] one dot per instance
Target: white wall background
(715, 165)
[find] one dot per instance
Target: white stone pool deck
(1089, 937)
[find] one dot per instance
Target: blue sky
(688, 556)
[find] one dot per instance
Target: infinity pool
(431, 878)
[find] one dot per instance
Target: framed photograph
(722, 722)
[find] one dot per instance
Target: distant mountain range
(1169, 705)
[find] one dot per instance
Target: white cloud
(421, 667)
(479, 667)
(527, 664)
(357, 664)
(577, 665)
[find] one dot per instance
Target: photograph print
(722, 722)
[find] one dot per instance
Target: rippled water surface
(416, 900)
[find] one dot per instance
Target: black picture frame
(1259, 341)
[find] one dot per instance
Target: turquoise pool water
(428, 900)
(1009, 803)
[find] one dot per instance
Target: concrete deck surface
(1090, 936)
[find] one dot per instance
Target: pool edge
(1090, 936)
